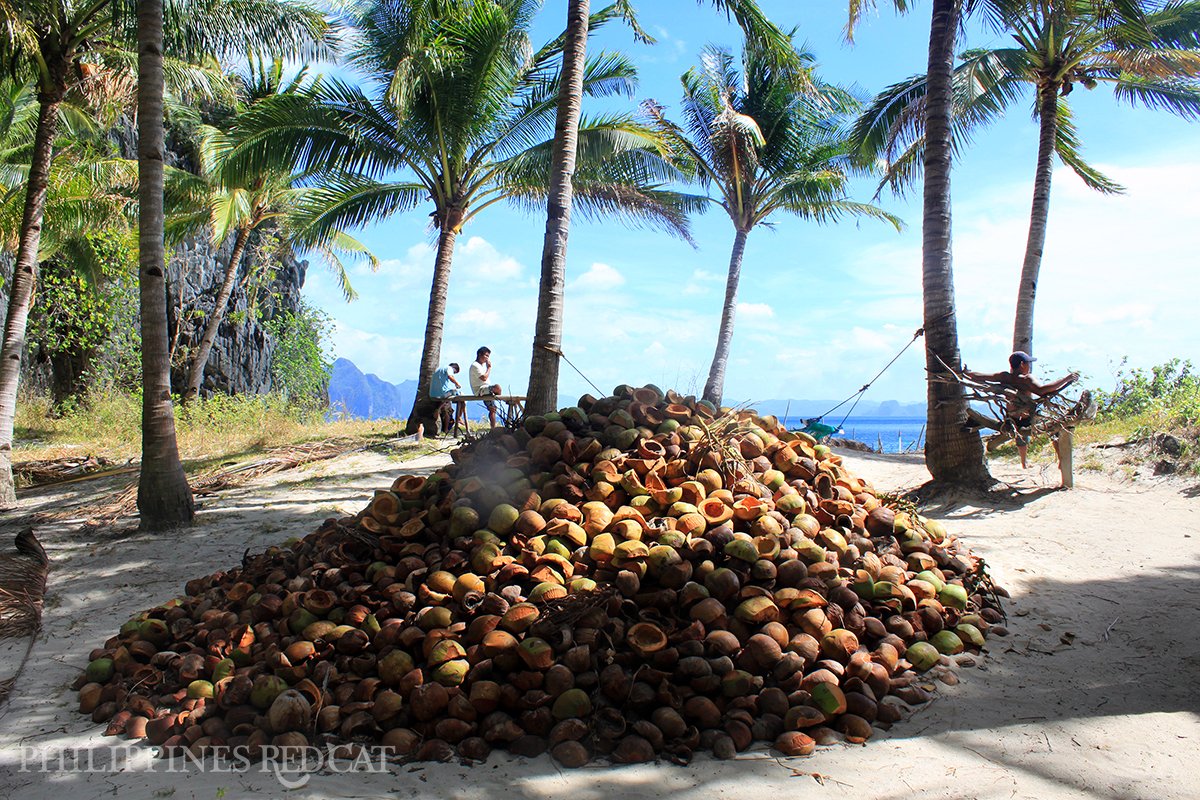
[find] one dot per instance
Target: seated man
(1018, 418)
(481, 371)
(446, 386)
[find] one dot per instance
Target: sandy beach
(1092, 695)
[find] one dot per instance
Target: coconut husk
(22, 588)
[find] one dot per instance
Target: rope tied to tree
(563, 356)
(857, 396)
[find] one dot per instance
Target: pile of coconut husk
(638, 576)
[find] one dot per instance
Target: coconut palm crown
(230, 205)
(765, 140)
(1148, 53)
(60, 43)
(460, 107)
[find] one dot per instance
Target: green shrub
(300, 362)
(1168, 394)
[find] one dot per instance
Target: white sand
(1093, 695)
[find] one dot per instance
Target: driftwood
(1052, 414)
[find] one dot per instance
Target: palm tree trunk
(164, 497)
(196, 373)
(542, 395)
(1027, 291)
(431, 352)
(953, 453)
(24, 276)
(715, 386)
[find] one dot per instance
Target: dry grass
(209, 430)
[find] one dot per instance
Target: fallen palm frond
(22, 588)
(719, 441)
(58, 470)
(279, 459)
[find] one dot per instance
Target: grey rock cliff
(240, 361)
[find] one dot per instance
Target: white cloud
(599, 277)
(755, 313)
(702, 282)
(479, 318)
(479, 259)
(389, 357)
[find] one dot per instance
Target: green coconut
(503, 518)
(199, 689)
(947, 642)
(547, 590)
(223, 669)
(100, 671)
(300, 619)
(265, 689)
(154, 631)
(828, 697)
(808, 550)
(452, 673)
(394, 666)
(572, 704)
(922, 655)
(971, 636)
(463, 520)
(662, 556)
(742, 550)
(931, 577)
(953, 596)
(579, 585)
(757, 611)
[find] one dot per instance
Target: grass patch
(221, 428)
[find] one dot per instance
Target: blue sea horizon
(891, 434)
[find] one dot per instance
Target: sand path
(1093, 695)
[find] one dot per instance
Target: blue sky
(821, 309)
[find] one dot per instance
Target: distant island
(367, 396)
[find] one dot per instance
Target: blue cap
(1018, 357)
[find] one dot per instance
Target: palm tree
(768, 140)
(542, 395)
(464, 109)
(235, 204)
(59, 42)
(953, 451)
(164, 497)
(1148, 57)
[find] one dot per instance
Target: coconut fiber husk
(22, 587)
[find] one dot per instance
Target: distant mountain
(811, 408)
(368, 396)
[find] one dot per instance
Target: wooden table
(511, 412)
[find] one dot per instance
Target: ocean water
(894, 434)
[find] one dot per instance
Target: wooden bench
(511, 408)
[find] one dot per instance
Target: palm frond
(1068, 148)
(1179, 97)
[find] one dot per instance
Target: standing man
(1018, 419)
(445, 386)
(481, 371)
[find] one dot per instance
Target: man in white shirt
(480, 372)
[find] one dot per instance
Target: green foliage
(300, 363)
(93, 314)
(1167, 393)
